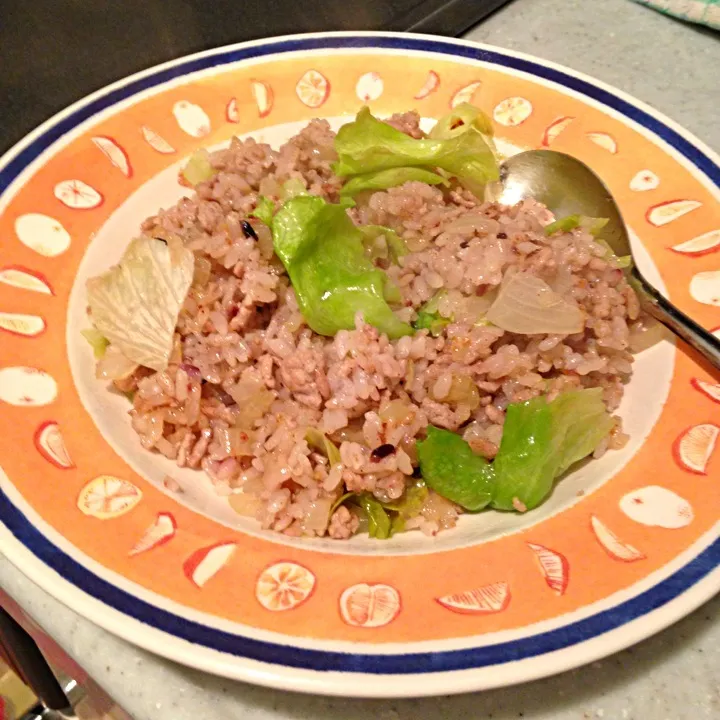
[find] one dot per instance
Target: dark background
(53, 52)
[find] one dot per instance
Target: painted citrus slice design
(108, 497)
(369, 606)
(284, 586)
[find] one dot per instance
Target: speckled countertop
(673, 676)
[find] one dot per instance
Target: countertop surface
(674, 675)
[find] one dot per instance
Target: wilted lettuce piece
(379, 525)
(369, 145)
(395, 244)
(461, 119)
(384, 179)
(541, 440)
(623, 261)
(198, 168)
(407, 507)
(331, 275)
(565, 224)
(429, 318)
(292, 188)
(453, 470)
(98, 342)
(431, 322)
(264, 210)
(135, 304)
(570, 222)
(340, 501)
(320, 442)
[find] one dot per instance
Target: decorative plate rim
(330, 672)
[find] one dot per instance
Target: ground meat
(343, 524)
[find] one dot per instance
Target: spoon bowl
(567, 186)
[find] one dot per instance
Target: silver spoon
(567, 186)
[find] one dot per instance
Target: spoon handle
(684, 327)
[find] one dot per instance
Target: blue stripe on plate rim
(287, 655)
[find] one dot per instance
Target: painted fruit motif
(207, 562)
(553, 130)
(159, 533)
(694, 447)
(107, 497)
(432, 83)
(610, 542)
(701, 245)
(21, 324)
(369, 87)
(465, 94)
(156, 142)
(26, 386)
(114, 152)
(77, 195)
(369, 606)
(657, 506)
(313, 89)
(191, 118)
(284, 586)
(50, 444)
(43, 234)
(603, 140)
(667, 212)
(263, 96)
(491, 598)
(512, 111)
(644, 180)
(23, 278)
(554, 567)
(705, 287)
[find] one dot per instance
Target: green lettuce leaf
(453, 470)
(369, 145)
(379, 524)
(433, 322)
(392, 177)
(340, 501)
(623, 261)
(570, 222)
(461, 119)
(136, 304)
(264, 210)
(319, 441)
(292, 188)
(386, 519)
(331, 275)
(407, 507)
(396, 246)
(429, 318)
(541, 440)
(98, 342)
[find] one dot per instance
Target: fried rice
(249, 379)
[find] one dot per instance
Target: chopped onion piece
(113, 365)
(527, 305)
(318, 516)
(253, 399)
(245, 504)
(198, 168)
